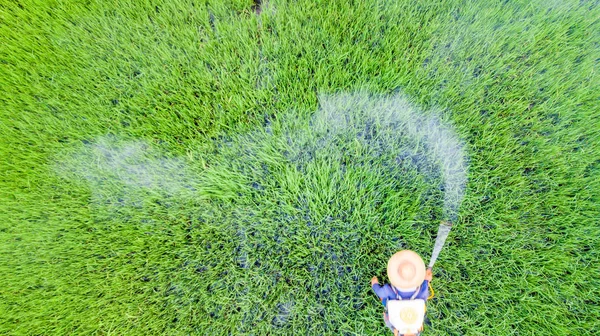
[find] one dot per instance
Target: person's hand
(374, 281)
(428, 274)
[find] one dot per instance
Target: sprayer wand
(442, 234)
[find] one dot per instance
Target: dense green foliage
(254, 240)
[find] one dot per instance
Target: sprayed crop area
(245, 168)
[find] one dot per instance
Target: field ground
(147, 185)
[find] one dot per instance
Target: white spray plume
(125, 171)
(395, 120)
(128, 170)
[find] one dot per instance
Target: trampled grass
(158, 173)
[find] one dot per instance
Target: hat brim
(400, 258)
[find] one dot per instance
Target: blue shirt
(386, 292)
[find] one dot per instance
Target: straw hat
(406, 269)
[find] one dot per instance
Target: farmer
(405, 298)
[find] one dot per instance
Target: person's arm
(424, 292)
(378, 289)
